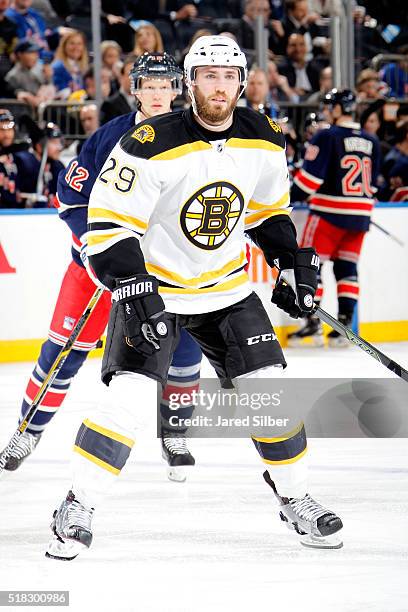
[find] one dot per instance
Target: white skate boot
(176, 454)
(336, 340)
(71, 527)
(315, 524)
(25, 446)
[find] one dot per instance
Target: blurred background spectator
(30, 79)
(71, 63)
(122, 101)
(148, 38)
(302, 75)
(111, 60)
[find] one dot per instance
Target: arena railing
(65, 115)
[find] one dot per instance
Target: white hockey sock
(105, 439)
(289, 475)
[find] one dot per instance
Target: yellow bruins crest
(274, 126)
(145, 133)
(210, 214)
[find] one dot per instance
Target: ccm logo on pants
(261, 338)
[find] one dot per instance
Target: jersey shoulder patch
(156, 135)
(256, 125)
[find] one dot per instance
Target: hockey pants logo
(261, 338)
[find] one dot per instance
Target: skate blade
(178, 473)
(308, 342)
(63, 551)
(338, 343)
(313, 541)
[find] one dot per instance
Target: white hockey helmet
(214, 51)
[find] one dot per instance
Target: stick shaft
(52, 374)
(362, 344)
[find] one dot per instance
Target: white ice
(214, 543)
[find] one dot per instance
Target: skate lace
(176, 445)
(79, 515)
(307, 508)
(25, 446)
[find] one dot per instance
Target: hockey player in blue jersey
(338, 179)
(156, 80)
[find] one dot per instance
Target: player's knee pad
(187, 353)
(344, 269)
(72, 364)
(128, 404)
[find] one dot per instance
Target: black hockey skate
(71, 527)
(176, 454)
(315, 524)
(335, 339)
(25, 446)
(311, 334)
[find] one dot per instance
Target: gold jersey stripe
(186, 149)
(109, 433)
(94, 239)
(197, 280)
(103, 213)
(264, 214)
(231, 284)
(287, 436)
(94, 459)
(252, 143)
(286, 461)
(281, 203)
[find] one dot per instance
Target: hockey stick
(387, 233)
(361, 343)
(49, 379)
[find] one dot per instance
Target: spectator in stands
(122, 101)
(246, 32)
(402, 113)
(257, 93)
(71, 64)
(8, 168)
(30, 79)
(279, 88)
(148, 38)
(35, 190)
(395, 75)
(370, 119)
(90, 83)
(300, 21)
(303, 76)
(29, 22)
(8, 40)
(111, 54)
(399, 151)
(89, 118)
(325, 85)
(369, 85)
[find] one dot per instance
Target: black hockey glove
(297, 283)
(141, 312)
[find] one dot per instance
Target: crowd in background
(46, 57)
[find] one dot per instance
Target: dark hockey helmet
(6, 119)
(156, 66)
(345, 97)
(52, 130)
(312, 120)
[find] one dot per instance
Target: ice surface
(214, 543)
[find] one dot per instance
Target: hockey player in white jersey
(166, 226)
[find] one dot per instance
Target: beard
(214, 114)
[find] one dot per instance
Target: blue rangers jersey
(75, 184)
(338, 176)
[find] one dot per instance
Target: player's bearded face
(216, 92)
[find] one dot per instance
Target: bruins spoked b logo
(211, 213)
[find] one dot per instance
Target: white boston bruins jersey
(188, 199)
